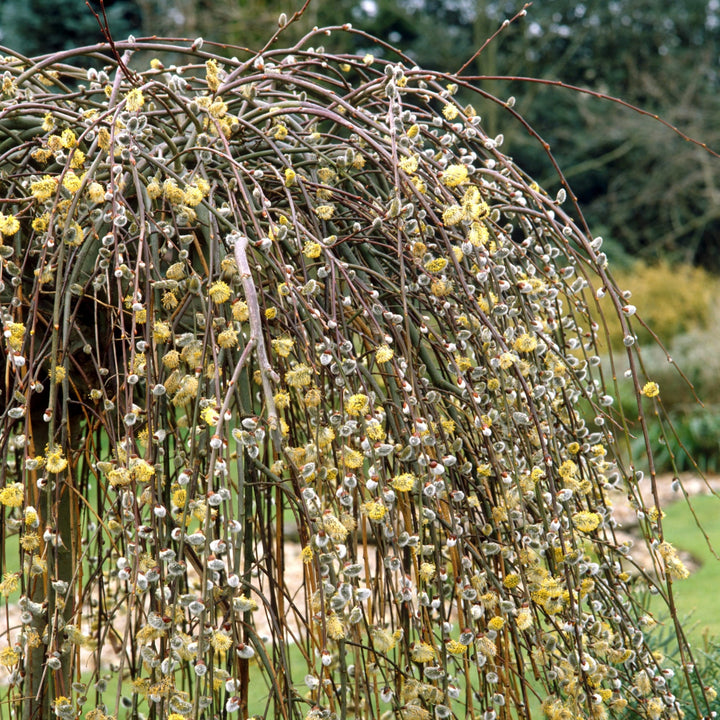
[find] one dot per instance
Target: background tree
(656, 56)
(34, 27)
(310, 287)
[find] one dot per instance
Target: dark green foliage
(36, 27)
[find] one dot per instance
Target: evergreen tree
(36, 27)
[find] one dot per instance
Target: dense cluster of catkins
(299, 311)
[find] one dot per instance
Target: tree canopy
(658, 56)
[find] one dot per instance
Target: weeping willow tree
(303, 412)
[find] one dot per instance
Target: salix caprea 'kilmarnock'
(298, 312)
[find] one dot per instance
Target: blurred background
(654, 197)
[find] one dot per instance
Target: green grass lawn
(697, 597)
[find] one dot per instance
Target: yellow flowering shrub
(304, 298)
